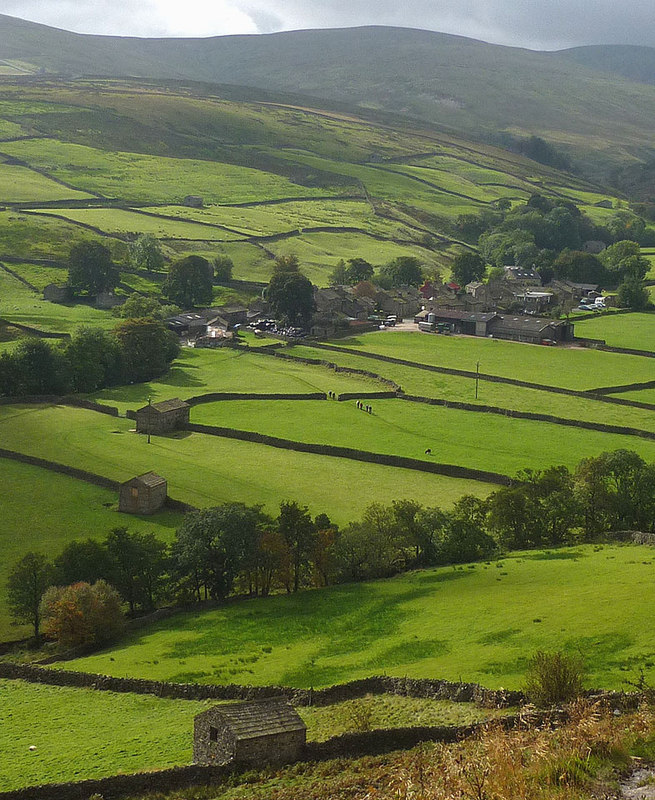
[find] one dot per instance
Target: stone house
(144, 494)
(191, 324)
(55, 293)
(193, 201)
(522, 276)
(163, 417)
(254, 733)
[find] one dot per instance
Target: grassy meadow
(569, 367)
(207, 470)
(473, 623)
(635, 331)
(44, 511)
(397, 427)
(87, 734)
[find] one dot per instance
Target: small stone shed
(254, 733)
(144, 494)
(163, 417)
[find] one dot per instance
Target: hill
(602, 120)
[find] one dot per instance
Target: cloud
(540, 24)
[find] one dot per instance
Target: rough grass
(207, 470)
(635, 331)
(44, 511)
(478, 623)
(397, 427)
(137, 177)
(19, 185)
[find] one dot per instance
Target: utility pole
(477, 378)
(150, 416)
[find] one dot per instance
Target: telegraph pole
(150, 416)
(477, 378)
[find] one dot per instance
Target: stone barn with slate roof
(144, 494)
(169, 415)
(255, 733)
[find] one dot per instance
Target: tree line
(135, 350)
(235, 549)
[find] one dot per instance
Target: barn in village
(254, 733)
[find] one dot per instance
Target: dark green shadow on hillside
(555, 555)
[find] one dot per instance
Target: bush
(554, 677)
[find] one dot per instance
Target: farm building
(144, 494)
(193, 201)
(163, 417)
(521, 328)
(268, 731)
(57, 294)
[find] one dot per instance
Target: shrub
(554, 677)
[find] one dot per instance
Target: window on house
(213, 734)
(135, 492)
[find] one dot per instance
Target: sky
(536, 24)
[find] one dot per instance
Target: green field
(21, 305)
(635, 331)
(84, 734)
(44, 511)
(80, 733)
(197, 372)
(417, 381)
(206, 470)
(397, 427)
(20, 184)
(570, 367)
(477, 623)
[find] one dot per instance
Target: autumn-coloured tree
(82, 614)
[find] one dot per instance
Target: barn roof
(255, 719)
(150, 479)
(166, 405)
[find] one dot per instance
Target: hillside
(456, 83)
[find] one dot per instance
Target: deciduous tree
(90, 268)
(26, 583)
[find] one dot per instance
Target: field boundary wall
(377, 685)
(62, 400)
(450, 470)
(18, 277)
(586, 394)
(35, 331)
(531, 415)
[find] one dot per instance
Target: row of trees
(236, 548)
(401, 271)
(135, 350)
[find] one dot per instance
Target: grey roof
(524, 323)
(256, 719)
(150, 479)
(166, 405)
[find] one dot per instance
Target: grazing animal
(428, 452)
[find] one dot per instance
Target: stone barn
(254, 733)
(144, 494)
(164, 417)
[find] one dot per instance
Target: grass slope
(44, 511)
(206, 470)
(479, 623)
(400, 428)
(635, 331)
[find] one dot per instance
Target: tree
(94, 358)
(86, 561)
(146, 348)
(358, 270)
(404, 270)
(214, 544)
(90, 268)
(632, 293)
(38, 368)
(623, 259)
(82, 614)
(223, 268)
(576, 265)
(289, 293)
(297, 529)
(136, 566)
(137, 306)
(26, 583)
(190, 282)
(145, 253)
(467, 267)
(338, 276)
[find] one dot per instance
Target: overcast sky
(538, 24)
